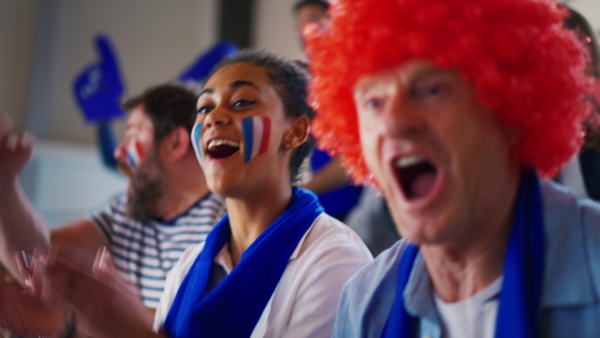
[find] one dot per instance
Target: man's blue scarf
(235, 305)
(520, 296)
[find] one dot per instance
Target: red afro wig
(523, 64)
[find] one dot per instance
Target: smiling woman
(275, 265)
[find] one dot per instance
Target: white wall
(590, 9)
(16, 39)
(274, 28)
(155, 40)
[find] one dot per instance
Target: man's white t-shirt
(305, 301)
(474, 317)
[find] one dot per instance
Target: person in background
(363, 209)
(329, 180)
(455, 109)
(166, 209)
(582, 172)
(274, 266)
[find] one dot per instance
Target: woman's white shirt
(305, 301)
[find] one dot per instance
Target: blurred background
(45, 44)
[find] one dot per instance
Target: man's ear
(176, 144)
(297, 134)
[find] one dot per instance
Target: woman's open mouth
(416, 175)
(222, 148)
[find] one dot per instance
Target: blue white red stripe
(196, 133)
(257, 132)
(135, 153)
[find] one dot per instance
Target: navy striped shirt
(146, 252)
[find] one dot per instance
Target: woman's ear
(176, 144)
(297, 134)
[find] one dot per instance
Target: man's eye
(434, 90)
(242, 103)
(373, 103)
(204, 110)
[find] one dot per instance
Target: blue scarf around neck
(520, 296)
(235, 305)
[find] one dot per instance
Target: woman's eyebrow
(241, 83)
(234, 85)
(206, 91)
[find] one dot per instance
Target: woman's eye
(204, 110)
(243, 103)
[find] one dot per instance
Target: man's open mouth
(222, 148)
(416, 175)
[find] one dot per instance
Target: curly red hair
(521, 61)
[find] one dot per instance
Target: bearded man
(453, 109)
(166, 209)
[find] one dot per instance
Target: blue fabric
(339, 202)
(520, 296)
(399, 324)
(235, 305)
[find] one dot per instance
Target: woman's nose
(217, 117)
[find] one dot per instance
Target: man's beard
(147, 187)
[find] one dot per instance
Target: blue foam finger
(98, 88)
(110, 65)
(199, 70)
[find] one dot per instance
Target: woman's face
(241, 133)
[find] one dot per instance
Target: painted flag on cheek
(135, 153)
(196, 131)
(257, 132)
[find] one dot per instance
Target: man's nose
(120, 152)
(403, 116)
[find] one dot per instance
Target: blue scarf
(235, 305)
(520, 296)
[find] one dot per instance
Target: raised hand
(15, 150)
(23, 312)
(103, 302)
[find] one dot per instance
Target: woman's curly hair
(524, 65)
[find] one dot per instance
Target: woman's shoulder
(331, 235)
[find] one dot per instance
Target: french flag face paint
(196, 133)
(135, 154)
(257, 132)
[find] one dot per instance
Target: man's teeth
(217, 142)
(408, 161)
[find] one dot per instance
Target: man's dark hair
(168, 106)
(302, 3)
(290, 82)
(577, 22)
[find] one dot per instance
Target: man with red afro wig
(453, 109)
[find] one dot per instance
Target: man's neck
(181, 192)
(249, 217)
(463, 266)
(459, 273)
